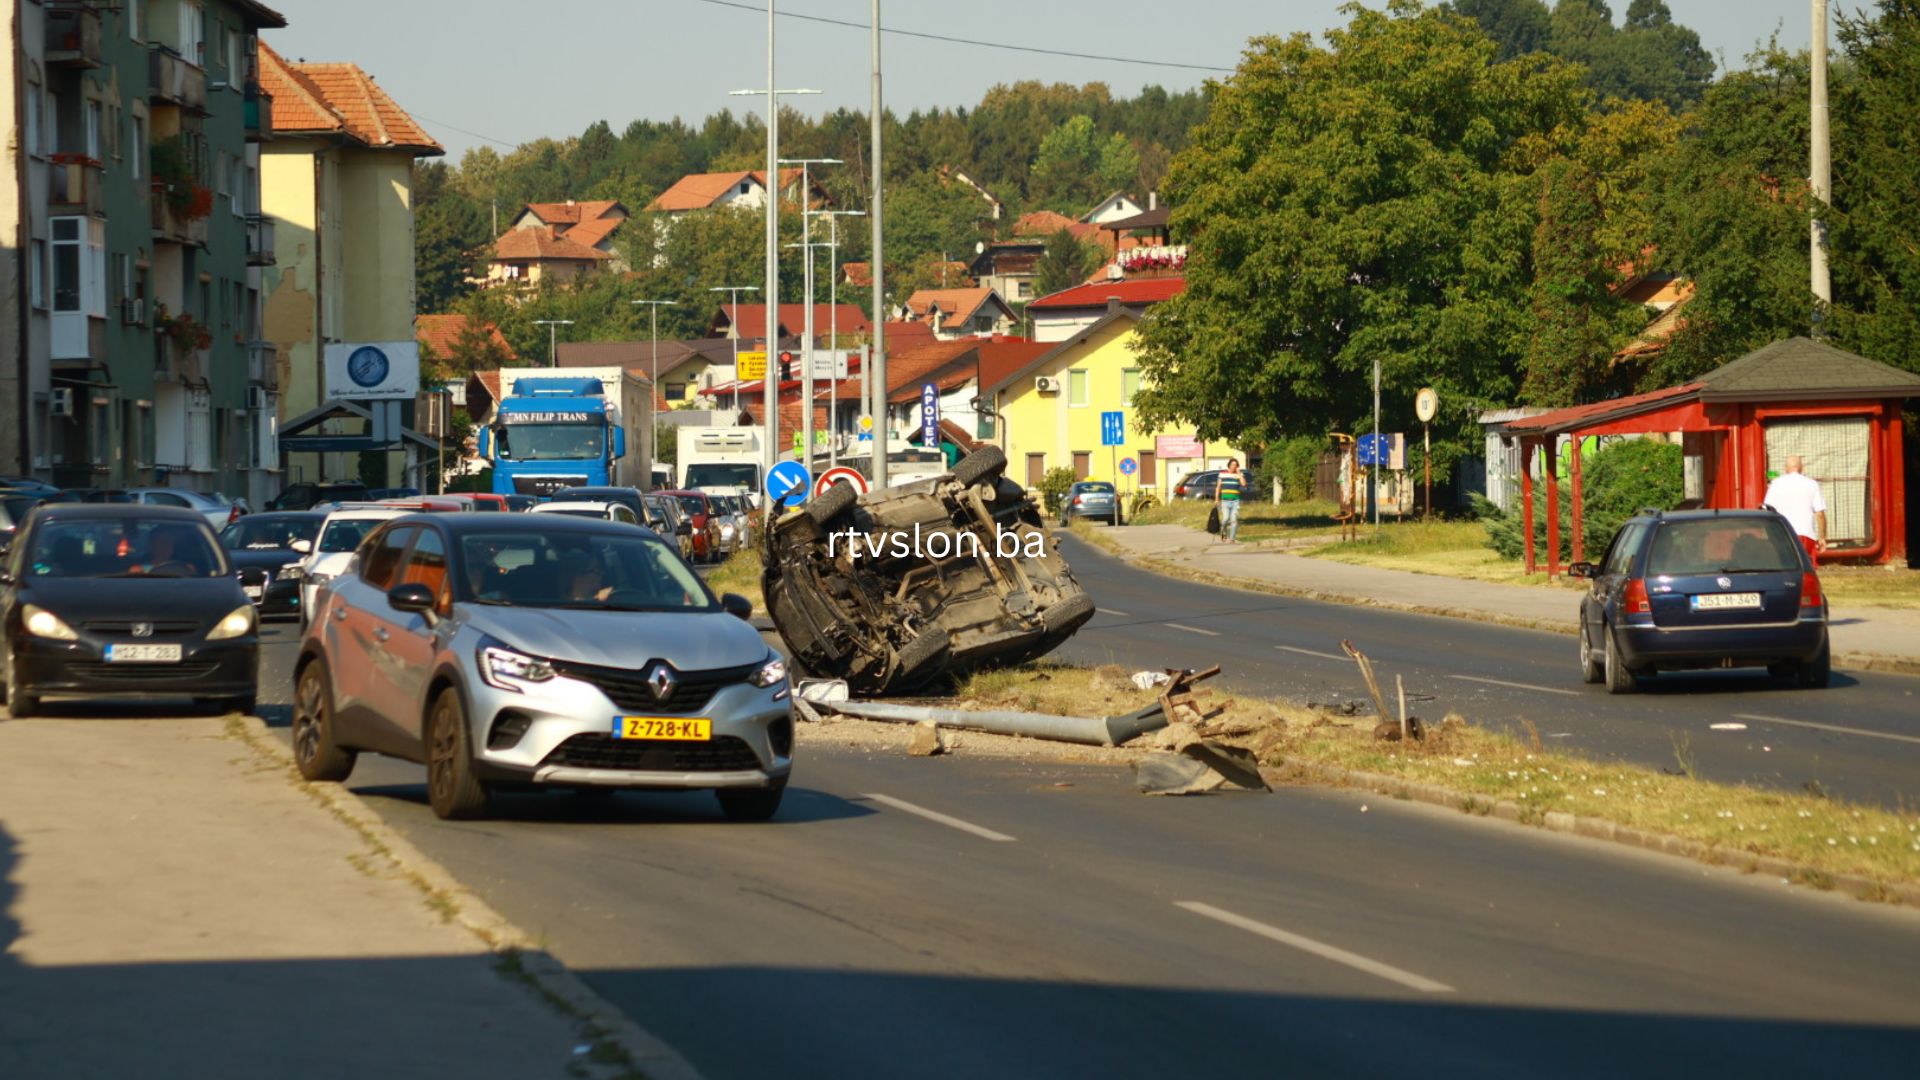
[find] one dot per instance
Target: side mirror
(1583, 570)
(304, 547)
(413, 598)
(736, 605)
(685, 528)
(619, 442)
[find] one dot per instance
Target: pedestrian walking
(1797, 497)
(1226, 497)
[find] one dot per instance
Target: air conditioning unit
(1046, 384)
(257, 399)
(60, 401)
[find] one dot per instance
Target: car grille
(545, 485)
(599, 750)
(629, 689)
(101, 671)
(161, 627)
(255, 575)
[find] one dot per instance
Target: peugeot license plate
(675, 728)
(1722, 601)
(124, 653)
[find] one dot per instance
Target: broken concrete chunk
(926, 740)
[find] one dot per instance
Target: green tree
(1074, 166)
(451, 237)
(1066, 262)
(1876, 235)
(1519, 27)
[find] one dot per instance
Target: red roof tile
(1138, 291)
(956, 305)
(792, 320)
(697, 191)
(441, 332)
(528, 245)
(1001, 357)
(337, 97)
(571, 213)
(1042, 223)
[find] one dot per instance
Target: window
(67, 278)
(1082, 460)
(167, 498)
(743, 187)
(37, 275)
(1022, 289)
(122, 278)
(138, 158)
(221, 173)
(94, 111)
(674, 391)
(114, 132)
(379, 561)
(137, 19)
(1077, 387)
(427, 564)
(193, 32)
(99, 431)
(233, 57)
(239, 187)
(36, 110)
(1129, 385)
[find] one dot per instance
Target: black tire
(1593, 665)
(1619, 679)
(1814, 674)
(827, 507)
(452, 790)
(1067, 614)
(985, 463)
(917, 653)
(751, 804)
(20, 704)
(315, 752)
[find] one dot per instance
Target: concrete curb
(1853, 661)
(548, 977)
(1860, 888)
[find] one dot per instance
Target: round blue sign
(368, 367)
(1128, 466)
(789, 483)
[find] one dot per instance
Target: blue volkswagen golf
(1702, 589)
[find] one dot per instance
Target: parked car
(340, 534)
(393, 493)
(304, 496)
(1702, 589)
(1198, 485)
(262, 547)
(555, 651)
(485, 501)
(27, 485)
(674, 519)
(599, 511)
(1091, 499)
(630, 496)
(520, 504)
(701, 515)
(14, 509)
(219, 511)
(116, 600)
(736, 525)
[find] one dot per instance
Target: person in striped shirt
(1226, 495)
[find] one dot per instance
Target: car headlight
(726, 531)
(43, 623)
(506, 669)
(771, 672)
(239, 621)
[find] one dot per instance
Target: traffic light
(786, 365)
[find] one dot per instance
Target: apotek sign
(377, 370)
(930, 416)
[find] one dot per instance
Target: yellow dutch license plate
(676, 728)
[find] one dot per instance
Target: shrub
(1616, 484)
(1054, 485)
(1292, 463)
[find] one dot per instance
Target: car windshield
(716, 474)
(629, 571)
(345, 535)
(692, 504)
(553, 442)
(578, 511)
(123, 547)
(267, 534)
(1722, 546)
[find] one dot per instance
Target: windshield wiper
(1755, 570)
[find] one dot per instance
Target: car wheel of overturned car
(916, 653)
(1815, 673)
(983, 464)
(1619, 679)
(315, 753)
(828, 507)
(452, 789)
(1067, 614)
(751, 804)
(1593, 668)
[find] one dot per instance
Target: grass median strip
(739, 574)
(1811, 838)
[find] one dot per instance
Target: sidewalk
(1881, 639)
(171, 904)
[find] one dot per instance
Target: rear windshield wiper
(1755, 569)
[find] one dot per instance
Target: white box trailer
(632, 397)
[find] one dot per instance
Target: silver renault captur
(506, 650)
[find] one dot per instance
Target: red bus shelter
(1737, 424)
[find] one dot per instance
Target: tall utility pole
(734, 327)
(653, 308)
(1374, 477)
(553, 337)
(1821, 180)
(876, 373)
(806, 333)
(833, 313)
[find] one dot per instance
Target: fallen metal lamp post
(1086, 730)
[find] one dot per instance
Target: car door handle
(380, 634)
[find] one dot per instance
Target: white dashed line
(937, 816)
(1311, 652)
(1111, 611)
(1518, 685)
(1837, 729)
(1192, 629)
(1321, 949)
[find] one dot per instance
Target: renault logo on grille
(662, 681)
(143, 629)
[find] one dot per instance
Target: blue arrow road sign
(1113, 428)
(930, 415)
(789, 483)
(1128, 466)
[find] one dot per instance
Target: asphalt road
(1859, 738)
(1050, 922)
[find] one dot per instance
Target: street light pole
(1822, 172)
(876, 374)
(736, 290)
(833, 313)
(653, 309)
(806, 333)
(553, 331)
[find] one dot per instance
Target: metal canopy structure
(304, 435)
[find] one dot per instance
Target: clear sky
(475, 71)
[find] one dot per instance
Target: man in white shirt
(1796, 496)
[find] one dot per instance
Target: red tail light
(233, 515)
(1810, 596)
(1636, 601)
(1076, 500)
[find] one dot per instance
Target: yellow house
(336, 179)
(1051, 411)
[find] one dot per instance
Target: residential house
(1142, 246)
(963, 367)
(681, 371)
(592, 223)
(1112, 208)
(538, 254)
(337, 180)
(956, 313)
(1009, 267)
(1061, 315)
(443, 337)
(845, 322)
(126, 203)
(742, 190)
(1050, 412)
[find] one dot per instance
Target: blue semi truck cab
(553, 432)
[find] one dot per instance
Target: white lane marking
(1192, 629)
(935, 815)
(1310, 652)
(1111, 611)
(1517, 685)
(1827, 727)
(1321, 949)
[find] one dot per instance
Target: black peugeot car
(261, 547)
(106, 599)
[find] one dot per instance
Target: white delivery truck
(720, 460)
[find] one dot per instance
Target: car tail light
(233, 514)
(1076, 500)
(1810, 596)
(1636, 601)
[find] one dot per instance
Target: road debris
(1198, 767)
(926, 740)
(1147, 680)
(1086, 730)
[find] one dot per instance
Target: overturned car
(894, 589)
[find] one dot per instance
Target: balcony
(172, 228)
(73, 35)
(258, 113)
(259, 240)
(73, 187)
(173, 81)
